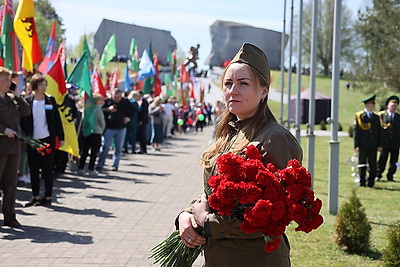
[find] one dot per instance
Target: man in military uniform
(367, 140)
(390, 137)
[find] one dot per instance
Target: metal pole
(311, 112)
(290, 67)
(334, 143)
(299, 66)
(283, 41)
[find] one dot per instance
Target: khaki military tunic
(228, 245)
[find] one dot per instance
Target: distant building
(227, 37)
(161, 41)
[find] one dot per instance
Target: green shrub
(351, 131)
(322, 125)
(352, 227)
(340, 127)
(391, 254)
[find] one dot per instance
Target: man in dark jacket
(390, 137)
(118, 112)
(367, 140)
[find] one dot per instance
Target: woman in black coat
(44, 124)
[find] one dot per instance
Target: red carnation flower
(247, 192)
(252, 152)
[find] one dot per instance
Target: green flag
(8, 38)
(168, 84)
(149, 82)
(109, 52)
(80, 76)
(86, 48)
(133, 52)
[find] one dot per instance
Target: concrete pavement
(113, 219)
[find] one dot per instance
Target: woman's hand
(201, 210)
(9, 132)
(187, 232)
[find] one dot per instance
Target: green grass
(381, 205)
(381, 202)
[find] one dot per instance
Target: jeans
(109, 135)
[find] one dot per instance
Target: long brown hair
(224, 132)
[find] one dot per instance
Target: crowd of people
(126, 122)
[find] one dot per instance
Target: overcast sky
(188, 21)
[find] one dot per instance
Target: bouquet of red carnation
(42, 148)
(264, 197)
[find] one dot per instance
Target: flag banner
(56, 87)
(127, 80)
(25, 29)
(133, 52)
(184, 74)
(115, 77)
(80, 76)
(86, 48)
(10, 53)
(51, 51)
(157, 82)
(97, 84)
(109, 52)
(146, 67)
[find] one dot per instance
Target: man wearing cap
(390, 137)
(367, 140)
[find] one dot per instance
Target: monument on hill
(227, 37)
(161, 41)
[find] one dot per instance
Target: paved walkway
(113, 219)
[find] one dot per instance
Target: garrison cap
(255, 57)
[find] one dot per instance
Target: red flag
(51, 51)
(115, 78)
(97, 85)
(184, 74)
(157, 83)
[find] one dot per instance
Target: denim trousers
(110, 135)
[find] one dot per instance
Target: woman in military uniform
(246, 120)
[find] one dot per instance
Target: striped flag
(10, 53)
(56, 87)
(51, 51)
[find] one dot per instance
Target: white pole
(283, 41)
(334, 143)
(290, 67)
(311, 112)
(299, 66)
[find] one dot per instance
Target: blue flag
(127, 79)
(146, 67)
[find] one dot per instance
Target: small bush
(322, 125)
(340, 127)
(351, 131)
(352, 227)
(391, 254)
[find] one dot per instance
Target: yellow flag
(25, 29)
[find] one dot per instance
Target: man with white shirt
(367, 140)
(390, 138)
